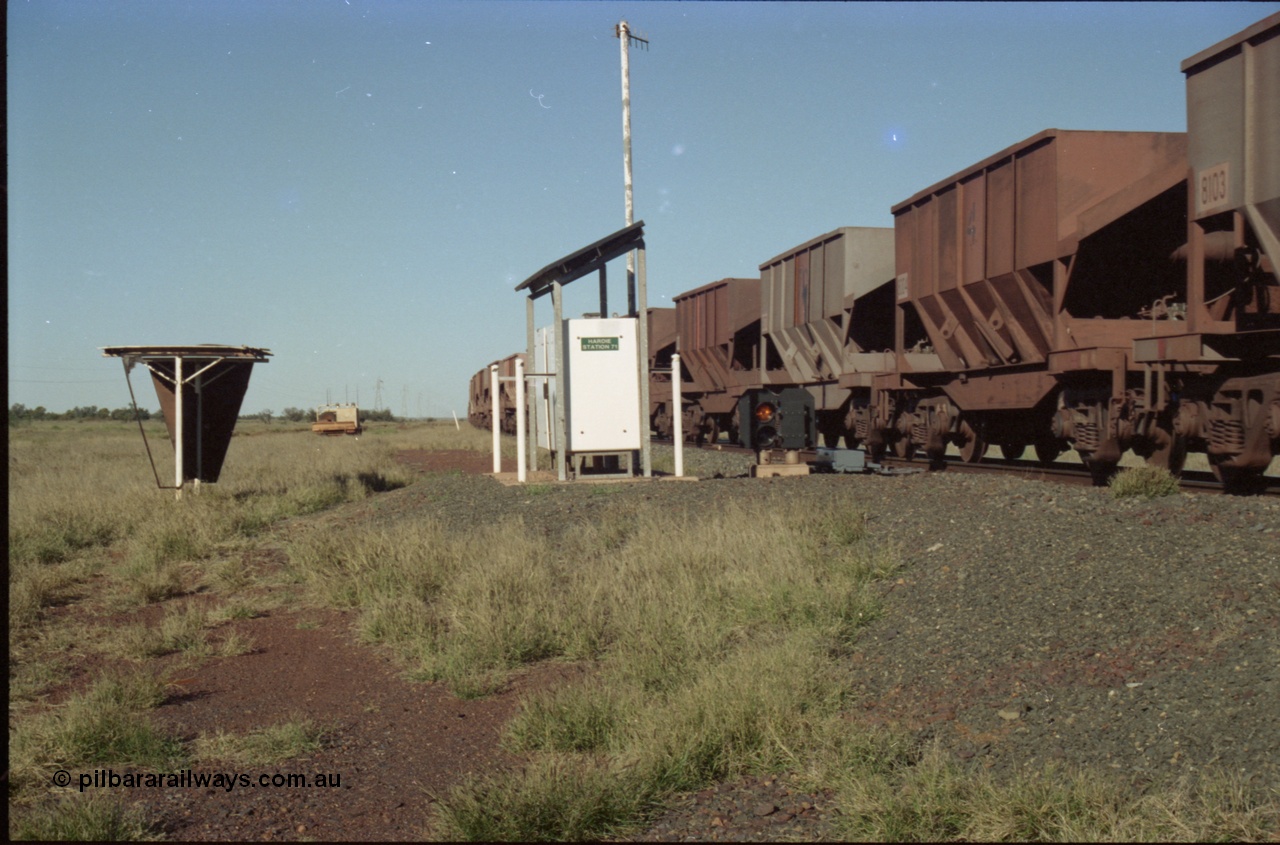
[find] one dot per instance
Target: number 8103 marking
(1213, 189)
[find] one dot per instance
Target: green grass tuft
(263, 747)
(105, 725)
(1147, 482)
(556, 798)
(79, 819)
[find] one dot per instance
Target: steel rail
(1192, 481)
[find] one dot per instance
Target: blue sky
(359, 185)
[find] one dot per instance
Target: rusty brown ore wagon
(662, 345)
(1095, 291)
(1105, 291)
(480, 402)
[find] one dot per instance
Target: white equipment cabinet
(602, 373)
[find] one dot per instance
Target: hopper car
(480, 401)
(1097, 291)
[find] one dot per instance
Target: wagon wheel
(903, 448)
(1100, 470)
(661, 424)
(713, 430)
(1048, 448)
(875, 448)
(1168, 450)
(1012, 450)
(1242, 480)
(974, 446)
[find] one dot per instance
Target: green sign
(599, 344)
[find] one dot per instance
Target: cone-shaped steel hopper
(200, 389)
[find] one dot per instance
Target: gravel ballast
(1032, 626)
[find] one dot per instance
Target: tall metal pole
(623, 31)
(624, 36)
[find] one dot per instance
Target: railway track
(1061, 473)
(1191, 481)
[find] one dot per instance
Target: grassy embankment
(93, 545)
(714, 647)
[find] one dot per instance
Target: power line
(39, 381)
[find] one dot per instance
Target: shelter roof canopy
(200, 350)
(586, 260)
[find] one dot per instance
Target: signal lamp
(777, 419)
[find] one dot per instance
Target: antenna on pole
(624, 34)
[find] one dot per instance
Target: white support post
(521, 470)
(177, 428)
(645, 450)
(677, 401)
(562, 386)
(199, 385)
(493, 393)
(531, 335)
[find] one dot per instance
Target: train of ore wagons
(1086, 290)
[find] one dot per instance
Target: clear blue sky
(358, 185)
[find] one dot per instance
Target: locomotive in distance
(1086, 290)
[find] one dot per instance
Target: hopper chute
(200, 389)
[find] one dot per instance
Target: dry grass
(928, 798)
(262, 747)
(707, 659)
(88, 527)
(105, 725)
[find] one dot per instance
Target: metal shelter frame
(551, 280)
(210, 356)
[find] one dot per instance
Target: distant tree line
(19, 413)
(307, 415)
